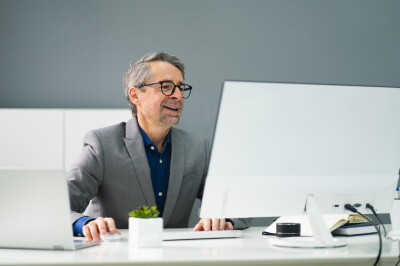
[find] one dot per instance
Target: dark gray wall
(73, 54)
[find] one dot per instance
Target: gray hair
(140, 71)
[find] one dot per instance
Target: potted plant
(145, 227)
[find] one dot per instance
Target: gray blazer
(113, 172)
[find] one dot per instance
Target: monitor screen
(276, 143)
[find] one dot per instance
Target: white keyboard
(179, 234)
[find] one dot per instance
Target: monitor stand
(322, 236)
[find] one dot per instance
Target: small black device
(287, 229)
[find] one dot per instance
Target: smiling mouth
(171, 108)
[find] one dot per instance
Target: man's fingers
(101, 224)
(215, 224)
(203, 225)
(110, 225)
(228, 226)
(221, 224)
(94, 231)
(198, 227)
(86, 233)
(206, 224)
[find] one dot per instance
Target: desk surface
(251, 249)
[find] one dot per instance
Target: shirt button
(160, 161)
(160, 194)
(152, 148)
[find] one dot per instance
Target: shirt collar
(147, 141)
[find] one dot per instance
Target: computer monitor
(276, 145)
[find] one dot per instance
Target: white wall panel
(31, 138)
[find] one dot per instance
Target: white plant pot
(145, 232)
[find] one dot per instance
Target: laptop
(35, 210)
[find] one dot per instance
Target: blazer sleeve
(85, 175)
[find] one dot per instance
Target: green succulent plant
(145, 212)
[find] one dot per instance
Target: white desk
(251, 249)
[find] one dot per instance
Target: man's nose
(177, 94)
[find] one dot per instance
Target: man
(145, 161)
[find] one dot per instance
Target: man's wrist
(79, 224)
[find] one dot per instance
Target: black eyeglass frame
(189, 88)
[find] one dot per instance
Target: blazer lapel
(175, 174)
(135, 147)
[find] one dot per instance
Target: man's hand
(101, 225)
(213, 225)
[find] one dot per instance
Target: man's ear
(133, 95)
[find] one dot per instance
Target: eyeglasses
(168, 88)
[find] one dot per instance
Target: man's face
(153, 107)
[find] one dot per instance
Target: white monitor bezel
(225, 194)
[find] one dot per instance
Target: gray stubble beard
(163, 119)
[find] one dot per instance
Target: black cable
(369, 206)
(352, 209)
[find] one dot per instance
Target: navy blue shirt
(159, 164)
